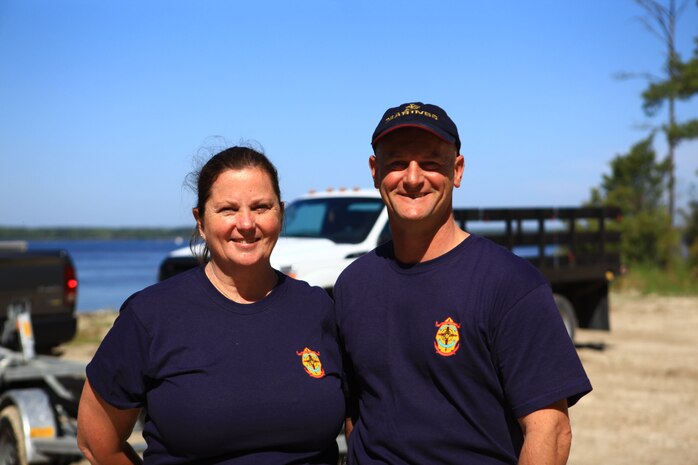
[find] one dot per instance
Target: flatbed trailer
(576, 249)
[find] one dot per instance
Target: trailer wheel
(12, 450)
(567, 313)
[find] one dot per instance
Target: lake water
(110, 271)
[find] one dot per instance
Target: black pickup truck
(45, 279)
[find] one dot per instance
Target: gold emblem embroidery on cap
(412, 109)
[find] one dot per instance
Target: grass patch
(649, 279)
(93, 326)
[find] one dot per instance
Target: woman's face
(242, 218)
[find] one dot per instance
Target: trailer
(576, 249)
(39, 397)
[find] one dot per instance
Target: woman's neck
(245, 285)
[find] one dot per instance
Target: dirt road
(644, 407)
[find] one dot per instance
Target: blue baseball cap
(425, 116)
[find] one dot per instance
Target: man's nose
(413, 174)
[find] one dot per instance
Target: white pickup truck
(575, 248)
(323, 232)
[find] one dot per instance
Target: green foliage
(658, 92)
(690, 234)
(693, 257)
(636, 185)
(691, 222)
(648, 237)
(651, 279)
(680, 78)
(637, 182)
(683, 131)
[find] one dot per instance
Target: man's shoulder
(498, 256)
(297, 289)
(368, 262)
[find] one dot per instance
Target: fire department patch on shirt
(447, 337)
(311, 363)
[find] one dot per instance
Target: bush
(652, 279)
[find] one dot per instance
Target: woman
(233, 362)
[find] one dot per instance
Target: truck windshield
(345, 220)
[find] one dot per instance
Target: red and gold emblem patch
(311, 363)
(447, 337)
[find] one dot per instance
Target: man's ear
(372, 164)
(459, 168)
(199, 222)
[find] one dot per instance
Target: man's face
(416, 172)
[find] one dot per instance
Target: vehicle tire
(12, 447)
(567, 313)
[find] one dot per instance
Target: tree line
(97, 233)
(641, 182)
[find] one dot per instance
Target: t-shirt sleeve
(536, 359)
(117, 372)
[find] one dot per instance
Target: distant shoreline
(10, 233)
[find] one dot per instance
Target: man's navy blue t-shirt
(445, 356)
(226, 383)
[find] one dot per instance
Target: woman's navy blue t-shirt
(222, 382)
(447, 355)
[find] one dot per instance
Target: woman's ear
(199, 223)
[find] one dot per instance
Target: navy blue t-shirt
(445, 356)
(226, 383)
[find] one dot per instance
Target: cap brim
(440, 134)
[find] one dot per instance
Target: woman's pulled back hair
(233, 158)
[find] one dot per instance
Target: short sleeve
(118, 369)
(536, 359)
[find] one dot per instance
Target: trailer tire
(12, 447)
(567, 313)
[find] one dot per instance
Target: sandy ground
(644, 407)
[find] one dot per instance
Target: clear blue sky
(104, 105)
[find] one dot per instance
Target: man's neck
(419, 243)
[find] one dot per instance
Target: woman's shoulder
(169, 293)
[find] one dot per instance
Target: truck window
(344, 220)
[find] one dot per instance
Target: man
(456, 353)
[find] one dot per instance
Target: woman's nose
(245, 220)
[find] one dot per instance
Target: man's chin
(411, 215)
